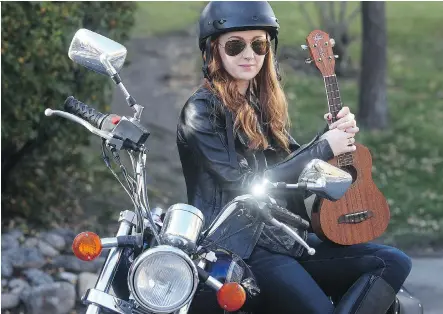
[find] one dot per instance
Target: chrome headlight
(163, 279)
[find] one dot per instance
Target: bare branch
(306, 15)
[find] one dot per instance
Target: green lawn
(408, 158)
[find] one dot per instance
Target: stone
(17, 285)
(54, 298)
(26, 258)
(10, 300)
(30, 242)
(7, 269)
(46, 249)
(73, 264)
(9, 242)
(4, 283)
(67, 234)
(37, 277)
(69, 277)
(85, 282)
(16, 233)
(55, 240)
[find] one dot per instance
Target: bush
(42, 164)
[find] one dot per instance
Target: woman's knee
(397, 266)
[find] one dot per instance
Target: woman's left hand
(346, 121)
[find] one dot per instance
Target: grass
(408, 157)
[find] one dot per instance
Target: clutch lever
(264, 209)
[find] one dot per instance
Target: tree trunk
(373, 109)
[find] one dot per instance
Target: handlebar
(120, 132)
(267, 208)
(83, 111)
(102, 121)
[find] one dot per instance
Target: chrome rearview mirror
(96, 52)
(329, 181)
(102, 55)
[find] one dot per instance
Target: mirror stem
(104, 60)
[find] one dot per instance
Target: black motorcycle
(161, 261)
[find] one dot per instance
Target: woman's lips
(246, 67)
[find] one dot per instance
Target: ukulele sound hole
(351, 170)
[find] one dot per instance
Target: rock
(15, 233)
(4, 283)
(30, 242)
(85, 282)
(67, 234)
(17, 285)
(7, 268)
(46, 249)
(69, 277)
(9, 242)
(72, 263)
(54, 298)
(55, 240)
(26, 258)
(10, 300)
(37, 277)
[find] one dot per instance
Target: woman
(233, 130)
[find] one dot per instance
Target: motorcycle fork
(127, 220)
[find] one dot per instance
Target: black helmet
(219, 17)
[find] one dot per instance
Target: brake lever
(111, 139)
(267, 216)
(106, 135)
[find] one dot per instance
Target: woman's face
(245, 65)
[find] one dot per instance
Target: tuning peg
(308, 60)
(332, 41)
(336, 56)
(304, 47)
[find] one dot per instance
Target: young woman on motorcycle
(232, 130)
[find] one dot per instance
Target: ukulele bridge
(355, 218)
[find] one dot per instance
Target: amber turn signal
(231, 296)
(87, 246)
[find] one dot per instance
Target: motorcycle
(161, 261)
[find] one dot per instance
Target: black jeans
(305, 285)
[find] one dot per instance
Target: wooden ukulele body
(361, 215)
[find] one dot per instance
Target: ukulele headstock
(320, 48)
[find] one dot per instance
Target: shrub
(42, 163)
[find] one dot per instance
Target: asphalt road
(426, 283)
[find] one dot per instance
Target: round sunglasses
(236, 46)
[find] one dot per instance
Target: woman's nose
(248, 53)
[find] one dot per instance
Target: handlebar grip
(82, 110)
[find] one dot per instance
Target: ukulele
(362, 214)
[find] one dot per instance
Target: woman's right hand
(340, 141)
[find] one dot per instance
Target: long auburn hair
(267, 88)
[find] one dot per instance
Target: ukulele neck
(335, 105)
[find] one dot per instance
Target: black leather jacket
(218, 166)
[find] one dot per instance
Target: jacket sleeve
(200, 134)
(291, 167)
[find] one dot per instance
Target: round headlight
(163, 279)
